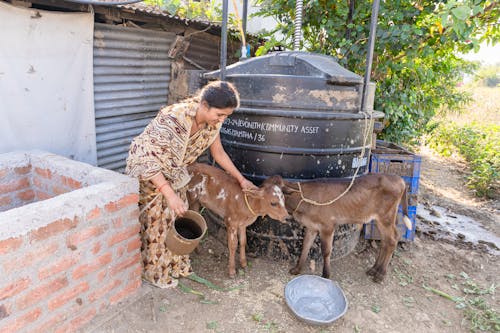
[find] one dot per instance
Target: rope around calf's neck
(366, 133)
(248, 204)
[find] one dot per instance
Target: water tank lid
(292, 63)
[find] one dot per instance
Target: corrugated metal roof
(156, 10)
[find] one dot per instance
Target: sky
(489, 55)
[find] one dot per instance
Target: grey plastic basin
(315, 300)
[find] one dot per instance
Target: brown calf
(371, 197)
(218, 191)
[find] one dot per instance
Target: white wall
(46, 82)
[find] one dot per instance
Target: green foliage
(203, 10)
(479, 145)
(414, 65)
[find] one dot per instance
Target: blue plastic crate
(404, 164)
(371, 231)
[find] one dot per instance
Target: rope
(149, 203)
(366, 133)
(248, 204)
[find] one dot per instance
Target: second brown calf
(216, 190)
(371, 197)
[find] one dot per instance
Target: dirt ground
(403, 302)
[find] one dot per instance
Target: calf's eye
(274, 204)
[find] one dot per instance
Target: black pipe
(369, 55)
(223, 43)
(244, 16)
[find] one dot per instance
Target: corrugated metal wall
(131, 79)
(204, 51)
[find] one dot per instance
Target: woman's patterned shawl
(165, 145)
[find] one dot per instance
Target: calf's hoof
(378, 278)
(376, 274)
(294, 271)
(232, 274)
(372, 271)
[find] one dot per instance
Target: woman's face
(214, 116)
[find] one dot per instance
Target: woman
(178, 135)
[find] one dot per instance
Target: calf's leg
(326, 250)
(389, 241)
(232, 243)
(242, 232)
(308, 241)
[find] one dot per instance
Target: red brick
(130, 289)
(101, 276)
(134, 244)
(45, 173)
(120, 251)
(78, 322)
(37, 183)
(128, 200)
(82, 236)
(22, 321)
(126, 234)
(26, 195)
(41, 292)
(92, 267)
(5, 201)
(70, 182)
(42, 195)
(94, 213)
(57, 190)
(59, 266)
(35, 255)
(125, 264)
(67, 296)
(101, 293)
(10, 244)
(14, 288)
(16, 185)
(96, 248)
(23, 170)
(52, 229)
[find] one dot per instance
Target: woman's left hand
(247, 185)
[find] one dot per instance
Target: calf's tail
(404, 202)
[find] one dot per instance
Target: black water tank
(299, 118)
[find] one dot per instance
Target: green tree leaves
(414, 64)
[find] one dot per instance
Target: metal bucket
(186, 232)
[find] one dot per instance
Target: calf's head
(271, 198)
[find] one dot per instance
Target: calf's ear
(275, 180)
(254, 192)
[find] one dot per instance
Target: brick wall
(15, 187)
(67, 258)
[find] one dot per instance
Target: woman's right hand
(176, 204)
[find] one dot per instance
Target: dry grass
(484, 108)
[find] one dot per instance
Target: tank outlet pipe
(369, 55)
(297, 35)
(223, 43)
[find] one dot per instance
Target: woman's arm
(221, 157)
(174, 202)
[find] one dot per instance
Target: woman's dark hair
(220, 95)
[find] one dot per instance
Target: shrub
(479, 145)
